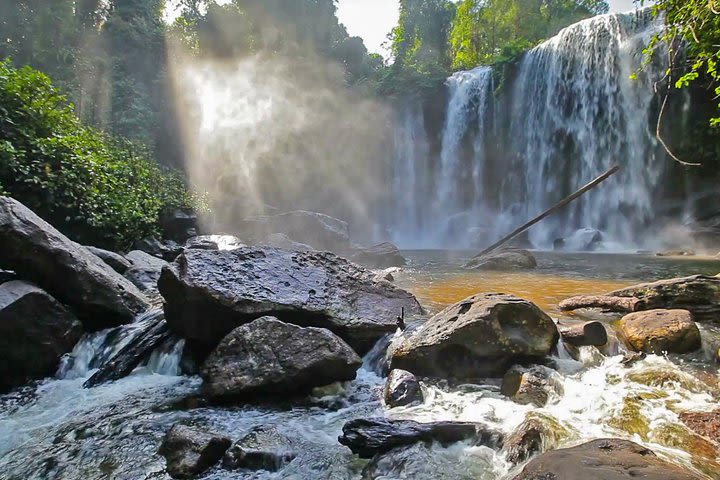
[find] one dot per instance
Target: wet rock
(264, 448)
(189, 452)
(706, 424)
(214, 242)
(583, 334)
(319, 231)
(383, 255)
(657, 331)
(116, 261)
(368, 437)
(481, 336)
(412, 461)
(534, 435)
(402, 388)
(145, 270)
(606, 459)
(168, 250)
(268, 356)
(98, 295)
(179, 224)
(504, 260)
(35, 331)
(699, 294)
(631, 358)
(209, 293)
(280, 240)
(7, 276)
(531, 386)
(583, 240)
(201, 243)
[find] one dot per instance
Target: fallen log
(551, 210)
(151, 334)
(605, 302)
(583, 334)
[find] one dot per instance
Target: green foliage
(492, 31)
(692, 26)
(95, 188)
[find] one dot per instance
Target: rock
(657, 331)
(481, 336)
(583, 334)
(504, 260)
(280, 240)
(631, 358)
(35, 331)
(189, 452)
(98, 295)
(179, 224)
(368, 437)
(209, 293)
(402, 388)
(583, 240)
(386, 275)
(676, 253)
(264, 448)
(319, 231)
(604, 459)
(604, 302)
(268, 356)
(383, 255)
(7, 276)
(116, 261)
(214, 242)
(534, 435)
(145, 271)
(150, 332)
(534, 385)
(706, 424)
(413, 461)
(167, 250)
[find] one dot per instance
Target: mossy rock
(630, 419)
(664, 378)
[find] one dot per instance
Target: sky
(373, 19)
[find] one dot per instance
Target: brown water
(438, 279)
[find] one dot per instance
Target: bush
(97, 189)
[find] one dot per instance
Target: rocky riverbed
(273, 364)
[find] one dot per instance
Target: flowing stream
(58, 430)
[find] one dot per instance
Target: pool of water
(58, 430)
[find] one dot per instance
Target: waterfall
(566, 112)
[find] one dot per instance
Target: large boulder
(368, 437)
(700, 294)
(189, 452)
(382, 255)
(145, 270)
(605, 459)
(263, 448)
(268, 356)
(658, 331)
(118, 263)
(511, 259)
(481, 336)
(319, 231)
(98, 295)
(35, 331)
(209, 293)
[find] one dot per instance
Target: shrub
(97, 189)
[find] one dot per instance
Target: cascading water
(568, 112)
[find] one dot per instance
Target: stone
(676, 253)
(382, 255)
(386, 275)
(583, 240)
(401, 389)
(481, 336)
(658, 331)
(168, 250)
(189, 452)
(317, 230)
(214, 242)
(97, 294)
(179, 224)
(603, 302)
(209, 293)
(263, 448)
(368, 437)
(116, 261)
(511, 259)
(527, 440)
(531, 386)
(604, 459)
(145, 270)
(35, 331)
(583, 334)
(706, 424)
(269, 357)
